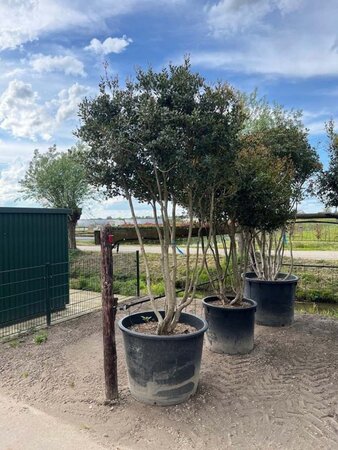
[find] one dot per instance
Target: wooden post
(109, 304)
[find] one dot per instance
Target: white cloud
(275, 37)
(68, 101)
(21, 113)
(67, 64)
(15, 73)
(26, 20)
(230, 16)
(9, 181)
(273, 57)
(110, 45)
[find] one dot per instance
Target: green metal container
(34, 272)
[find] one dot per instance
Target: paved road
(312, 254)
(25, 428)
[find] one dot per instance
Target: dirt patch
(283, 395)
(219, 302)
(151, 327)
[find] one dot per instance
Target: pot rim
(253, 304)
(290, 280)
(157, 337)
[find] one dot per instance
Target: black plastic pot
(231, 329)
(163, 370)
(275, 299)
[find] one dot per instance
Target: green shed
(34, 270)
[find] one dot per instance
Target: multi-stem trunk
(236, 269)
(267, 253)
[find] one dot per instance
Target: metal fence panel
(42, 295)
(30, 238)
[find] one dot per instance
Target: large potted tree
(257, 179)
(144, 143)
(284, 136)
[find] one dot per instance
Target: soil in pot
(163, 370)
(150, 327)
(275, 299)
(231, 328)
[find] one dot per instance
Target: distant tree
(58, 180)
(328, 179)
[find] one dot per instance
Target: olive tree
(58, 180)
(154, 141)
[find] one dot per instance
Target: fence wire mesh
(33, 297)
(38, 296)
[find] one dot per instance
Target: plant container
(163, 370)
(231, 329)
(275, 299)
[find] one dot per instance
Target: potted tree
(144, 143)
(284, 136)
(257, 177)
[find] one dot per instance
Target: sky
(52, 54)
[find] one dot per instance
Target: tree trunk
(109, 305)
(71, 235)
(72, 222)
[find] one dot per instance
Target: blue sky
(51, 55)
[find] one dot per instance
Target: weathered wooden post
(109, 304)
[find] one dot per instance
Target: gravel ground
(284, 395)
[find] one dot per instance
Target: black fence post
(48, 306)
(137, 273)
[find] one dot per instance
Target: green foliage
(14, 343)
(146, 319)
(41, 337)
(93, 283)
(159, 136)
(57, 179)
(314, 308)
(283, 132)
(327, 182)
(320, 295)
(158, 288)
(162, 140)
(287, 164)
(86, 283)
(127, 288)
(85, 274)
(263, 185)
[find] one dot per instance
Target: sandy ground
(18, 420)
(320, 255)
(284, 395)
